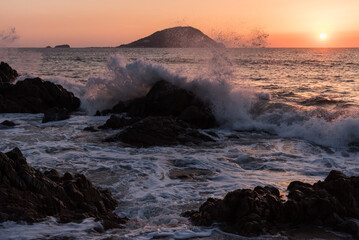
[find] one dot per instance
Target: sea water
(284, 114)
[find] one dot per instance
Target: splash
(7, 37)
(232, 39)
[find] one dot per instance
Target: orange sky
(83, 23)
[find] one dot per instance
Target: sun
(323, 36)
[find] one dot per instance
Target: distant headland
(176, 37)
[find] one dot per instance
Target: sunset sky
(84, 23)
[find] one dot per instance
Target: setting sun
(323, 35)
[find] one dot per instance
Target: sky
(101, 23)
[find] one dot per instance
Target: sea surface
(285, 114)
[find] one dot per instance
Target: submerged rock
(7, 74)
(29, 195)
(190, 174)
(166, 99)
(55, 114)
(332, 203)
(8, 123)
(160, 131)
(33, 95)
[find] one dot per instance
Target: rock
(166, 99)
(48, 47)
(190, 174)
(63, 46)
(7, 74)
(8, 123)
(333, 203)
(160, 131)
(33, 95)
(115, 122)
(55, 114)
(90, 129)
(176, 37)
(27, 194)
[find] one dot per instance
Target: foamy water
(269, 101)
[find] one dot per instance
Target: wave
(237, 108)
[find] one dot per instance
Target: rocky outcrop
(29, 195)
(332, 203)
(55, 114)
(7, 74)
(35, 96)
(115, 122)
(160, 131)
(176, 37)
(166, 99)
(8, 123)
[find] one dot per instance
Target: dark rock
(333, 203)
(55, 114)
(29, 195)
(160, 131)
(8, 123)
(190, 174)
(176, 37)
(63, 46)
(35, 96)
(48, 47)
(7, 74)
(115, 122)
(166, 99)
(90, 129)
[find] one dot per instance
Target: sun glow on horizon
(323, 36)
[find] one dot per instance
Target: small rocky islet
(167, 115)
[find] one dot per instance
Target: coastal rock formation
(166, 99)
(176, 37)
(55, 114)
(160, 131)
(63, 46)
(7, 74)
(115, 122)
(33, 95)
(332, 203)
(29, 195)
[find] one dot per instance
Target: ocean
(284, 114)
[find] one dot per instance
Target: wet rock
(27, 194)
(8, 123)
(55, 114)
(190, 174)
(7, 74)
(166, 99)
(332, 203)
(160, 131)
(90, 129)
(33, 95)
(115, 122)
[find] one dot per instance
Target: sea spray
(235, 105)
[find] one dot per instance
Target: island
(176, 37)
(63, 46)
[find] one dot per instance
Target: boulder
(7, 74)
(160, 131)
(33, 95)
(55, 114)
(332, 203)
(166, 99)
(115, 122)
(27, 194)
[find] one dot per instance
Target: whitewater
(284, 114)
